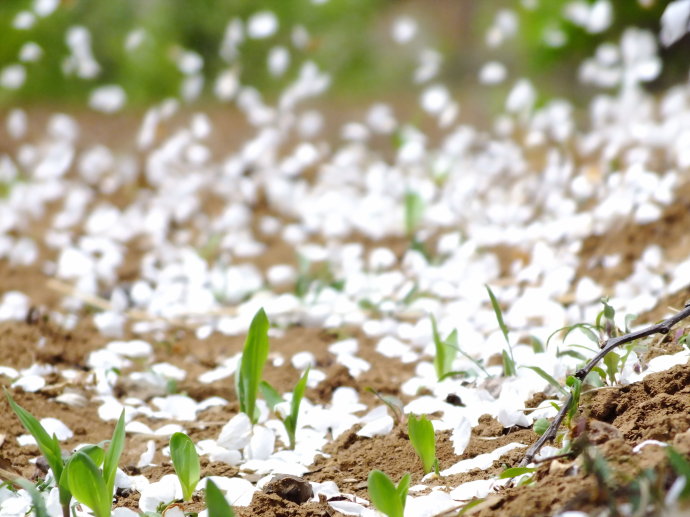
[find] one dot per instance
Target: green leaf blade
(186, 463)
(499, 314)
(216, 503)
(548, 378)
(423, 438)
(87, 485)
(49, 446)
(384, 495)
(112, 456)
(251, 367)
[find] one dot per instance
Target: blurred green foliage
(341, 40)
(349, 39)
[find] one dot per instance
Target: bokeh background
(60, 51)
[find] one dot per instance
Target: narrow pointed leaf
(548, 378)
(252, 365)
(112, 456)
(499, 314)
(49, 446)
(216, 503)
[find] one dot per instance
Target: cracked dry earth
(617, 419)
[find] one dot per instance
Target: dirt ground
(657, 408)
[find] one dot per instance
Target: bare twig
(660, 328)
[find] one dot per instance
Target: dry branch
(660, 328)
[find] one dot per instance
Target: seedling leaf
(186, 463)
(112, 456)
(49, 446)
(297, 394)
(87, 484)
(446, 350)
(508, 364)
(216, 503)
(423, 438)
(682, 468)
(384, 494)
(37, 500)
(516, 471)
(540, 426)
(251, 368)
(414, 209)
(402, 488)
(270, 394)
(499, 314)
(553, 382)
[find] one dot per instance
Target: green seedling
(393, 403)
(216, 503)
(509, 367)
(608, 326)
(252, 365)
(682, 468)
(423, 439)
(540, 426)
(511, 473)
(446, 350)
(49, 447)
(386, 497)
(414, 210)
(548, 378)
(90, 485)
(575, 386)
(39, 504)
(273, 398)
(186, 463)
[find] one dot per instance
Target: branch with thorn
(663, 327)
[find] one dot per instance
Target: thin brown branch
(660, 328)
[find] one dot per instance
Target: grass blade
(186, 463)
(37, 500)
(548, 378)
(681, 466)
(291, 419)
(446, 350)
(423, 438)
(49, 446)
(251, 368)
(216, 503)
(499, 313)
(384, 495)
(509, 368)
(112, 456)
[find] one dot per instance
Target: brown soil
(656, 408)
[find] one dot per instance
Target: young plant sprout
(49, 447)
(509, 367)
(273, 398)
(386, 497)
(446, 350)
(423, 438)
(90, 485)
(216, 503)
(252, 365)
(186, 463)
